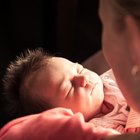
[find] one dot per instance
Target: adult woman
(121, 46)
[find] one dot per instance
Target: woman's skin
(121, 46)
(121, 49)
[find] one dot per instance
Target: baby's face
(67, 84)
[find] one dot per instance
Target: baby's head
(37, 81)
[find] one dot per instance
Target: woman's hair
(126, 7)
(19, 102)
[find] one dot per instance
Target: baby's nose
(81, 80)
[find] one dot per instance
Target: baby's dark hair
(25, 65)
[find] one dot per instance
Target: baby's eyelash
(81, 70)
(69, 91)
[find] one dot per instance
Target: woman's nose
(80, 80)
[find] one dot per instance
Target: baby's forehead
(61, 66)
(60, 61)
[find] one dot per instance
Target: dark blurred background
(68, 28)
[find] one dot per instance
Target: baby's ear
(133, 31)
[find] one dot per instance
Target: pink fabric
(120, 118)
(133, 120)
(55, 124)
(117, 118)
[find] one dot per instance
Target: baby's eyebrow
(79, 66)
(76, 64)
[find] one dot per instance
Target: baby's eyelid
(81, 70)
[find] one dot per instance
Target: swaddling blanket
(122, 117)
